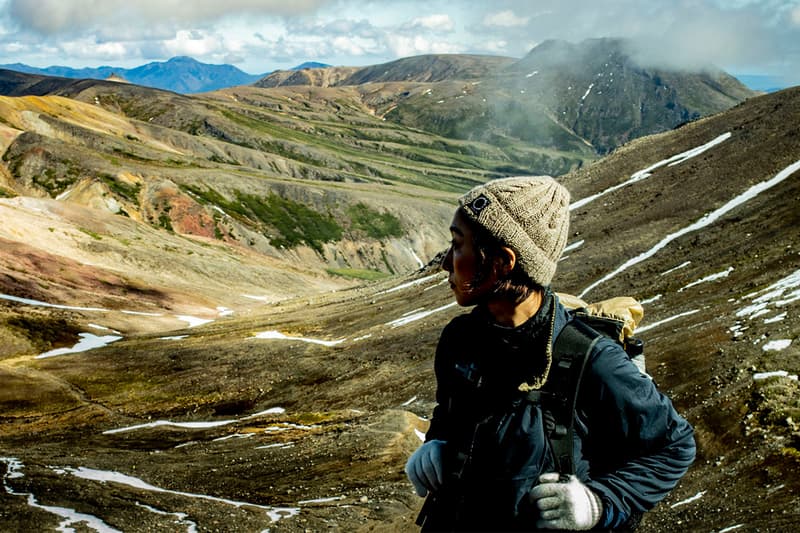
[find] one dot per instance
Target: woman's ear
(507, 260)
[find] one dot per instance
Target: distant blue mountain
(761, 82)
(309, 64)
(179, 74)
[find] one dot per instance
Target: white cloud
(744, 35)
(403, 46)
(497, 47)
(351, 46)
(439, 22)
(193, 43)
(51, 16)
(506, 19)
(88, 48)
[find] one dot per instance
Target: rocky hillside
(569, 97)
(293, 173)
(585, 98)
(299, 415)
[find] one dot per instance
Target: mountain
(299, 414)
(179, 74)
(567, 96)
(241, 163)
(431, 68)
(425, 68)
(310, 64)
(586, 98)
(312, 76)
(294, 174)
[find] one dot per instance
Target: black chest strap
(559, 396)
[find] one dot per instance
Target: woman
(487, 463)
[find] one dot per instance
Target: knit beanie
(528, 214)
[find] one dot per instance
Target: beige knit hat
(529, 214)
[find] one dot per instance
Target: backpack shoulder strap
(570, 352)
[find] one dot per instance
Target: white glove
(565, 505)
(424, 467)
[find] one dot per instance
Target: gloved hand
(424, 467)
(565, 505)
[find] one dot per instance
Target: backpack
(615, 318)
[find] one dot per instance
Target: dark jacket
(631, 446)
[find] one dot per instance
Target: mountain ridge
(181, 74)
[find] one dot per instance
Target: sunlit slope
(338, 192)
(301, 415)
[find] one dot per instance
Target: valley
(257, 380)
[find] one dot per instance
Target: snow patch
(28, 301)
(418, 316)
(673, 269)
(254, 297)
(103, 328)
(181, 518)
(193, 320)
(573, 246)
(776, 318)
(70, 516)
(647, 172)
(276, 445)
(670, 319)
(712, 277)
(194, 425)
(321, 500)
(412, 283)
(87, 342)
(587, 92)
(688, 500)
(651, 299)
(774, 374)
(416, 257)
(105, 476)
(277, 335)
(704, 221)
(234, 436)
(140, 313)
(777, 345)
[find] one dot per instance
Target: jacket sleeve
(440, 421)
(638, 446)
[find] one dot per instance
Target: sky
(259, 36)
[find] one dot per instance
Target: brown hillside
(299, 415)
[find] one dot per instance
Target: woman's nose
(447, 262)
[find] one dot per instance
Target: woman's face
(468, 283)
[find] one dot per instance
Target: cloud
(506, 19)
(740, 36)
(438, 22)
(67, 16)
(405, 46)
(743, 35)
(194, 43)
